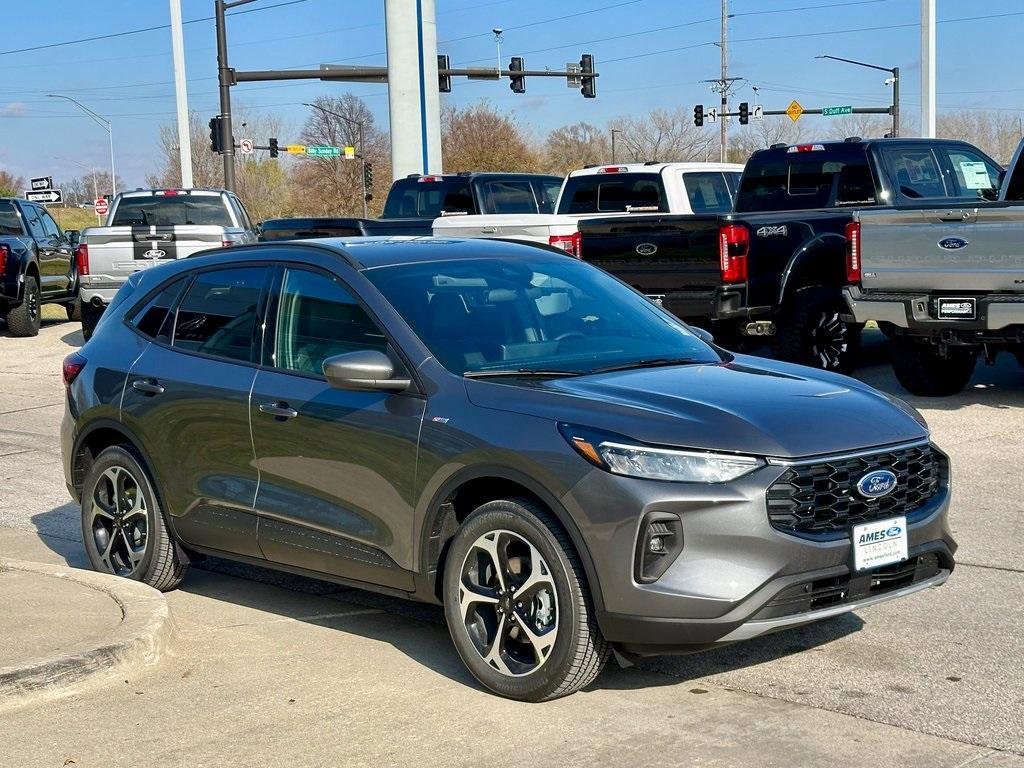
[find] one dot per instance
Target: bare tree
(574, 146)
(479, 138)
(996, 133)
(333, 185)
(865, 126)
(664, 136)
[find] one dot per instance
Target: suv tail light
(72, 366)
(733, 245)
(571, 244)
(82, 259)
(5, 253)
(853, 252)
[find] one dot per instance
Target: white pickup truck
(608, 190)
(147, 227)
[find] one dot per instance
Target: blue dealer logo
(876, 484)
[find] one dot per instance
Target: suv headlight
(632, 460)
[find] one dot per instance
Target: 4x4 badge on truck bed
(767, 231)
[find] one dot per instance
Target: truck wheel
(90, 317)
(922, 370)
(122, 525)
(74, 309)
(24, 319)
(517, 604)
(811, 331)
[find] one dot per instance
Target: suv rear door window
(708, 192)
(10, 222)
(217, 315)
(318, 318)
(168, 210)
(428, 197)
(613, 193)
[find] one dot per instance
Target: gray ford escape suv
(504, 430)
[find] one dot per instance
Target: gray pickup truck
(148, 227)
(944, 282)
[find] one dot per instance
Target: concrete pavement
(275, 669)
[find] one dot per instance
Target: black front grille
(820, 499)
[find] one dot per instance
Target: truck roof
(484, 174)
(652, 167)
(171, 191)
(855, 141)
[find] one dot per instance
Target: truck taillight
(853, 252)
(82, 259)
(733, 245)
(5, 253)
(571, 244)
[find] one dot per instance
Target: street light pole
(102, 121)
(362, 148)
(894, 110)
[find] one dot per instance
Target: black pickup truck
(37, 266)
(415, 201)
(777, 265)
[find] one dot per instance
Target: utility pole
(181, 95)
(225, 79)
(723, 121)
(614, 131)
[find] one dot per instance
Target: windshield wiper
(656, 362)
(517, 372)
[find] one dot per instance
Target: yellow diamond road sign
(794, 110)
(296, 149)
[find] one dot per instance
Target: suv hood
(749, 405)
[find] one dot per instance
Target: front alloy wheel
(508, 603)
(518, 605)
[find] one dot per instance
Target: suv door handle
(148, 386)
(278, 410)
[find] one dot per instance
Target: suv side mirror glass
(365, 370)
(703, 334)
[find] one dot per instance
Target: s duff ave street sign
(834, 111)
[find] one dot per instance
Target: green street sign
(323, 151)
(834, 111)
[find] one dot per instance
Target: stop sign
(101, 206)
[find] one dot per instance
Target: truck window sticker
(975, 175)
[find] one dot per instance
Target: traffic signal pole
(224, 82)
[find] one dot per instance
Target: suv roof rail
(852, 139)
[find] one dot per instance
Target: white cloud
(12, 109)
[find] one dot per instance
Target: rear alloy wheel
(25, 318)
(812, 332)
(122, 525)
(517, 604)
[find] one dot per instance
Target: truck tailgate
(533, 227)
(977, 249)
(120, 251)
(658, 254)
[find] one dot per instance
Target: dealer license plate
(880, 542)
(957, 309)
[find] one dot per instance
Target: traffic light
(273, 147)
(444, 82)
(698, 115)
(744, 113)
(368, 177)
(216, 134)
(517, 82)
(587, 80)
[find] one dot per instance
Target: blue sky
(650, 53)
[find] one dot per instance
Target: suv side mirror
(365, 370)
(703, 334)
(74, 236)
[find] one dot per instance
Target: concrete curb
(144, 634)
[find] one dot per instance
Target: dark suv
(504, 430)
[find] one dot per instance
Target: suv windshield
(168, 210)
(613, 193)
(533, 314)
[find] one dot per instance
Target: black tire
(74, 310)
(810, 331)
(91, 315)
(579, 651)
(115, 539)
(922, 370)
(24, 319)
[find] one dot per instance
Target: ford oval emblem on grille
(154, 253)
(876, 484)
(952, 243)
(647, 249)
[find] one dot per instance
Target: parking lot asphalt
(277, 669)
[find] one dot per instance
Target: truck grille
(820, 499)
